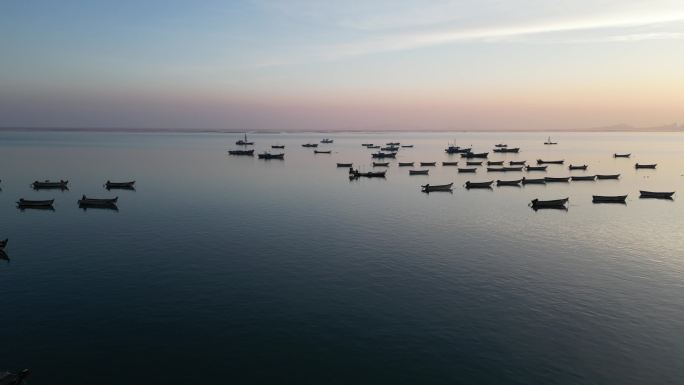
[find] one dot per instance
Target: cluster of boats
(84, 203)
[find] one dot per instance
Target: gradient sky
(320, 65)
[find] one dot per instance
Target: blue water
(221, 269)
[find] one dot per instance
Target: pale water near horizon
(226, 269)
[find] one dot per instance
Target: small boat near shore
(449, 163)
(390, 149)
(322, 151)
(279, 146)
(418, 172)
(583, 178)
(495, 163)
(582, 167)
(548, 141)
(535, 168)
(430, 164)
(380, 164)
(310, 145)
(470, 184)
(513, 169)
(622, 155)
(439, 187)
(637, 166)
(557, 180)
(471, 170)
(513, 150)
(609, 198)
(655, 194)
(85, 201)
(344, 164)
(500, 145)
(509, 182)
(267, 156)
(406, 164)
(130, 185)
(244, 142)
(241, 152)
(28, 203)
(380, 155)
(611, 176)
(517, 162)
(470, 155)
(44, 185)
(533, 181)
(471, 163)
(555, 203)
(539, 161)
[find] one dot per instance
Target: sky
(335, 65)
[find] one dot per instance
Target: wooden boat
(583, 177)
(371, 146)
(62, 184)
(281, 146)
(557, 203)
(381, 155)
(533, 181)
(344, 164)
(509, 169)
(326, 141)
(120, 185)
(418, 172)
(3, 243)
(34, 203)
(373, 174)
(583, 167)
(267, 155)
(244, 142)
(392, 144)
(494, 169)
(471, 163)
(405, 164)
(85, 201)
(380, 164)
(322, 151)
(241, 152)
(514, 150)
(467, 170)
(645, 165)
(548, 141)
(439, 187)
(555, 180)
(533, 168)
(471, 155)
(539, 161)
(500, 145)
(509, 182)
(428, 163)
(407, 146)
(470, 184)
(657, 195)
(492, 163)
(366, 144)
(449, 163)
(457, 150)
(312, 145)
(609, 198)
(614, 176)
(390, 149)
(517, 162)
(622, 155)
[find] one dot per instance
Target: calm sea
(221, 269)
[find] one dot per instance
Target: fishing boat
(471, 155)
(241, 152)
(366, 144)
(539, 161)
(556, 203)
(407, 146)
(437, 187)
(372, 174)
(326, 141)
(509, 169)
(280, 146)
(405, 164)
(535, 168)
(517, 162)
(622, 155)
(390, 149)
(372, 146)
(380, 164)
(513, 150)
(467, 170)
(85, 201)
(470, 184)
(344, 164)
(428, 163)
(509, 182)
(498, 163)
(548, 141)
(9, 378)
(457, 150)
(583, 167)
(418, 172)
(609, 198)
(449, 163)
(310, 145)
(33, 203)
(583, 177)
(62, 184)
(613, 176)
(3, 243)
(556, 180)
(392, 143)
(471, 163)
(120, 185)
(655, 194)
(500, 145)
(322, 151)
(495, 169)
(244, 142)
(533, 181)
(380, 155)
(267, 155)
(645, 165)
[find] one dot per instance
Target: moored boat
(517, 162)
(354, 174)
(449, 163)
(428, 163)
(582, 167)
(555, 203)
(514, 150)
(439, 187)
(457, 150)
(470, 184)
(535, 168)
(390, 149)
(280, 146)
(533, 181)
(539, 161)
(392, 144)
(241, 152)
(418, 172)
(645, 165)
(366, 144)
(494, 169)
(656, 194)
(344, 164)
(380, 164)
(622, 155)
(120, 185)
(267, 155)
(407, 146)
(471, 163)
(612, 176)
(326, 141)
(548, 141)
(492, 163)
(471, 170)
(62, 184)
(35, 203)
(471, 155)
(609, 198)
(583, 177)
(322, 151)
(500, 145)
(509, 169)
(85, 201)
(310, 145)
(555, 180)
(244, 142)
(405, 164)
(509, 182)
(381, 155)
